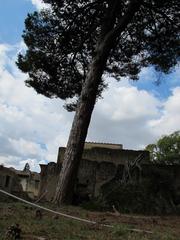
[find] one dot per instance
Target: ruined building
(20, 183)
(9, 182)
(100, 163)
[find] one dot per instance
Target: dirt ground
(148, 223)
(53, 227)
(140, 222)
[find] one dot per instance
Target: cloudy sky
(32, 127)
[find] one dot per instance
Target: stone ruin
(21, 183)
(100, 163)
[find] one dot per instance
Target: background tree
(74, 44)
(166, 150)
(26, 167)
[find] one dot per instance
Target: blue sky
(33, 127)
(158, 83)
(12, 15)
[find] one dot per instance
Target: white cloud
(128, 103)
(170, 118)
(33, 127)
(133, 117)
(39, 4)
(30, 123)
(123, 116)
(25, 148)
(4, 48)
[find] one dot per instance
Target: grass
(53, 228)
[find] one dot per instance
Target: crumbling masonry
(100, 163)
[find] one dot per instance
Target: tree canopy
(61, 43)
(166, 150)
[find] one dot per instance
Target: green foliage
(61, 43)
(166, 150)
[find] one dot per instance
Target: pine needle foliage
(61, 42)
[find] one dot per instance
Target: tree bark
(85, 107)
(79, 129)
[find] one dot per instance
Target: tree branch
(134, 6)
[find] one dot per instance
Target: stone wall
(90, 145)
(104, 173)
(30, 182)
(32, 186)
(172, 171)
(49, 177)
(9, 182)
(116, 156)
(102, 164)
(20, 183)
(98, 166)
(91, 176)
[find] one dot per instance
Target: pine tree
(73, 45)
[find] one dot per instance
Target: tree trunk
(79, 128)
(86, 104)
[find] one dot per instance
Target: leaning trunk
(87, 100)
(79, 128)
